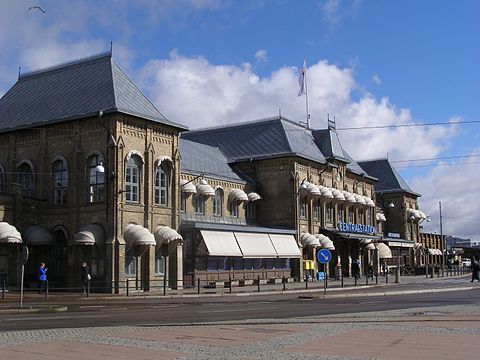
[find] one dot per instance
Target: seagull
(36, 7)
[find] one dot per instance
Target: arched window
(161, 186)
(303, 207)
(60, 181)
(316, 209)
(2, 179)
(351, 216)
(341, 213)
(233, 208)
(251, 210)
(199, 205)
(329, 214)
(26, 179)
(132, 180)
(96, 179)
(218, 202)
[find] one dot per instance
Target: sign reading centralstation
(356, 228)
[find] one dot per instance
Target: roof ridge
(65, 64)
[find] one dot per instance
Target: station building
(90, 170)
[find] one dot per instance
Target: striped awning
(384, 251)
(187, 187)
(37, 235)
(138, 235)
(309, 240)
(237, 194)
(253, 196)
(325, 242)
(91, 234)
(204, 189)
(165, 235)
(9, 234)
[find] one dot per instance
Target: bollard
(386, 277)
(341, 274)
(46, 289)
(432, 273)
(198, 286)
(164, 285)
(3, 289)
(88, 288)
(127, 288)
(230, 284)
(306, 282)
(284, 282)
(366, 279)
(355, 277)
(376, 279)
(258, 283)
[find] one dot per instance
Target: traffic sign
(324, 256)
(25, 254)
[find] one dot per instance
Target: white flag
(301, 79)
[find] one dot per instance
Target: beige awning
(37, 235)
(307, 239)
(237, 194)
(138, 235)
(253, 196)
(401, 244)
(255, 245)
(165, 235)
(359, 199)
(384, 251)
(220, 243)
(91, 234)
(285, 246)
(187, 187)
(325, 191)
(9, 234)
(349, 197)
(337, 194)
(325, 242)
(204, 189)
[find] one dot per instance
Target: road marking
(91, 306)
(164, 306)
(374, 302)
(233, 310)
(43, 318)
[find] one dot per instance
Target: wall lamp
(201, 176)
(391, 205)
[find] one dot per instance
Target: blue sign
(356, 228)
(324, 256)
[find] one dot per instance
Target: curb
(39, 310)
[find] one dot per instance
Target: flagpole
(306, 95)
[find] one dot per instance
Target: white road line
(43, 318)
(374, 302)
(233, 310)
(92, 306)
(164, 306)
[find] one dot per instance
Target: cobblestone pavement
(449, 332)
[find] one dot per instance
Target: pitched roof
(389, 180)
(74, 90)
(199, 159)
(274, 137)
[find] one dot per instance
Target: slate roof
(274, 137)
(389, 180)
(74, 90)
(199, 159)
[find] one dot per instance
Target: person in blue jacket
(42, 277)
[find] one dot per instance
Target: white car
(466, 262)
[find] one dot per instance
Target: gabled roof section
(389, 180)
(199, 159)
(74, 90)
(266, 138)
(329, 143)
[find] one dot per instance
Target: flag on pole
(301, 79)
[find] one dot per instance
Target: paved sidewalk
(409, 284)
(435, 333)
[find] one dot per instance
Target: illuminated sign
(356, 228)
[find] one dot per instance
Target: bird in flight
(36, 7)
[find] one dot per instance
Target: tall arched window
(341, 213)
(26, 178)
(60, 181)
(303, 207)
(234, 208)
(161, 186)
(132, 180)
(2, 179)
(96, 179)
(316, 209)
(218, 202)
(199, 205)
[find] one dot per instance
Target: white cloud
(376, 79)
(261, 55)
(457, 187)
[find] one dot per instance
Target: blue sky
(208, 62)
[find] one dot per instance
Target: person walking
(42, 277)
(475, 269)
(85, 277)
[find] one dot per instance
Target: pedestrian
(356, 269)
(85, 277)
(475, 269)
(370, 270)
(42, 277)
(384, 268)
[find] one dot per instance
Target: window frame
(161, 197)
(26, 178)
(233, 208)
(199, 204)
(218, 203)
(96, 188)
(60, 182)
(132, 180)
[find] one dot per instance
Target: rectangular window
(269, 264)
(316, 210)
(234, 208)
(217, 204)
(212, 263)
(183, 202)
(341, 214)
(159, 263)
(130, 264)
(131, 184)
(351, 216)
(199, 205)
(303, 208)
(329, 212)
(161, 188)
(238, 264)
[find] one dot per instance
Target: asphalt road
(156, 311)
